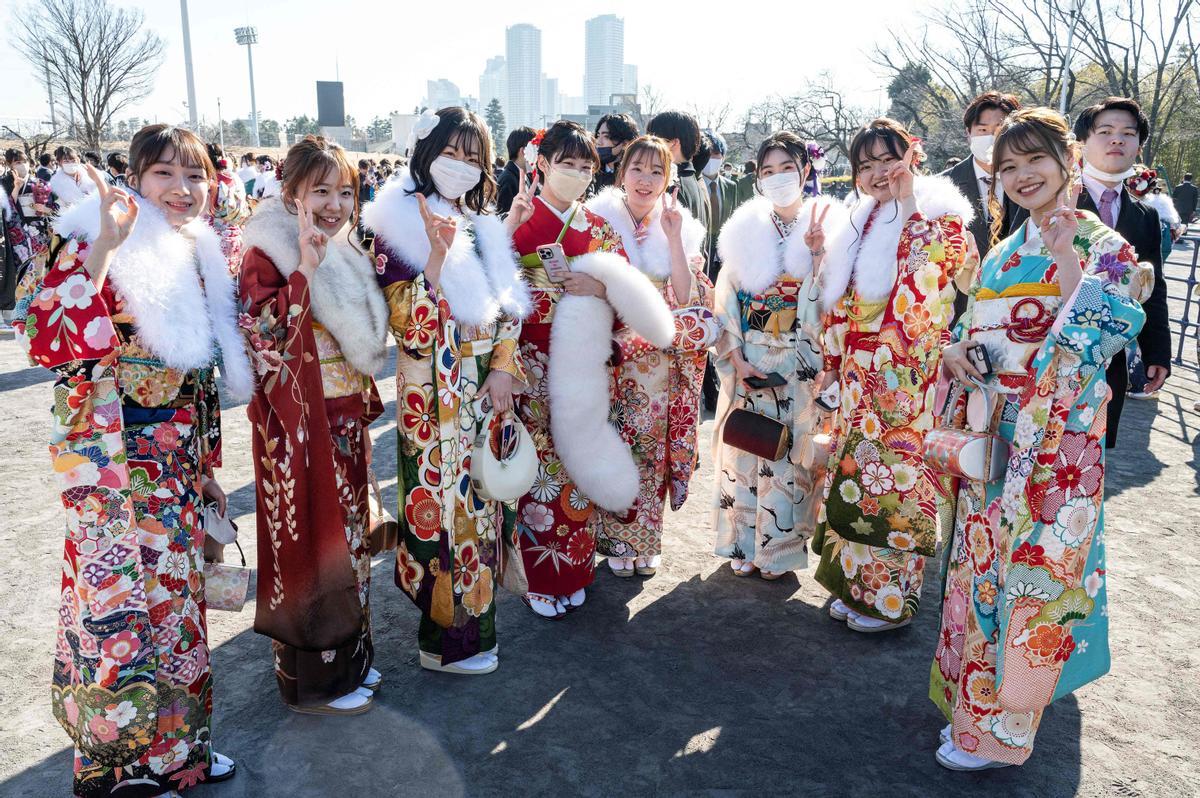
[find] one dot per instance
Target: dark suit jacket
(508, 184)
(694, 195)
(963, 176)
(745, 187)
(1186, 196)
(727, 203)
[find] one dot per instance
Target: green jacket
(745, 187)
(726, 204)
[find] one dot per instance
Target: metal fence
(1188, 322)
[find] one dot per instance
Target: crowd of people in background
(936, 360)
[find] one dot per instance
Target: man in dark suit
(509, 182)
(722, 196)
(1186, 196)
(973, 176)
(745, 183)
(1112, 133)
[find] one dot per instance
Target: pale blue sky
(736, 53)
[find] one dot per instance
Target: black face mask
(606, 155)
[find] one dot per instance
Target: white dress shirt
(983, 178)
(1096, 189)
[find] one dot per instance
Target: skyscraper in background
(629, 82)
(551, 107)
(604, 58)
(523, 56)
(493, 84)
(442, 93)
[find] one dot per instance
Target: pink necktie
(1106, 207)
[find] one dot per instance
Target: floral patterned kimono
(657, 403)
(315, 344)
(230, 211)
(767, 305)
(890, 298)
(135, 429)
(556, 523)
(451, 337)
(37, 224)
(1024, 608)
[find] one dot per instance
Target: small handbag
(510, 565)
(756, 433)
(384, 534)
(226, 586)
(963, 453)
(507, 479)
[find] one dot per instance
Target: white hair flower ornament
(424, 125)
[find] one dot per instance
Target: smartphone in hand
(978, 355)
(772, 380)
(554, 261)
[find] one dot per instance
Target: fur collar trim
(478, 288)
(652, 256)
(1166, 209)
(754, 255)
(345, 296)
(67, 191)
(871, 260)
(155, 273)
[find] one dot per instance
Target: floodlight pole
(249, 37)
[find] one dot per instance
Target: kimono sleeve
(728, 312)
(837, 324)
(412, 310)
(277, 317)
(1104, 314)
(506, 355)
(66, 320)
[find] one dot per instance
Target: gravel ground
(692, 682)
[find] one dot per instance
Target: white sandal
(373, 681)
(951, 758)
(574, 601)
(839, 611)
(865, 623)
(944, 734)
(544, 606)
(621, 566)
(354, 703)
(648, 566)
(471, 666)
(220, 768)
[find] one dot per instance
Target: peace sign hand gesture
(439, 229)
(900, 177)
(312, 241)
(118, 212)
(1059, 227)
(521, 209)
(672, 217)
(814, 237)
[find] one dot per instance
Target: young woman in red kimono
(317, 324)
(566, 344)
(135, 312)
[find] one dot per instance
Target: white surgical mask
(1107, 177)
(782, 188)
(713, 167)
(453, 177)
(981, 148)
(71, 168)
(568, 184)
(21, 169)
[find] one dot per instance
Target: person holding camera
(768, 356)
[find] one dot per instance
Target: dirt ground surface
(692, 682)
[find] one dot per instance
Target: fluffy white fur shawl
(592, 450)
(871, 260)
(345, 296)
(477, 288)
(67, 190)
(652, 256)
(750, 247)
(155, 273)
(1166, 209)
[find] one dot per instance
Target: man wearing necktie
(722, 195)
(973, 176)
(1112, 133)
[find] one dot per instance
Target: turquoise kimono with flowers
(1024, 605)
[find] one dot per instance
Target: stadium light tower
(187, 62)
(249, 37)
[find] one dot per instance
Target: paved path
(692, 682)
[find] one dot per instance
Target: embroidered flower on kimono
(416, 418)
(1012, 728)
(537, 517)
(1076, 472)
(581, 547)
(76, 291)
(905, 476)
(466, 567)
(849, 492)
(979, 689)
(545, 487)
(1027, 590)
(1093, 583)
(423, 514)
(121, 647)
(99, 333)
(890, 601)
(901, 541)
(168, 755)
(985, 592)
(869, 506)
(877, 479)
(74, 470)
(1076, 520)
(849, 565)
(479, 598)
(870, 426)
(101, 729)
(422, 326)
(874, 575)
(409, 570)
(1112, 267)
(121, 714)
(917, 321)
(580, 222)
(1030, 555)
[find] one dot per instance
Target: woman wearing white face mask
(456, 298)
(889, 294)
(69, 183)
(768, 357)
(566, 343)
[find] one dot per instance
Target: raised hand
(1059, 227)
(312, 241)
(118, 212)
(814, 237)
(672, 217)
(900, 177)
(439, 229)
(522, 205)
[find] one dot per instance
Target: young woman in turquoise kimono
(1024, 608)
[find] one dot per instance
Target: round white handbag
(503, 480)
